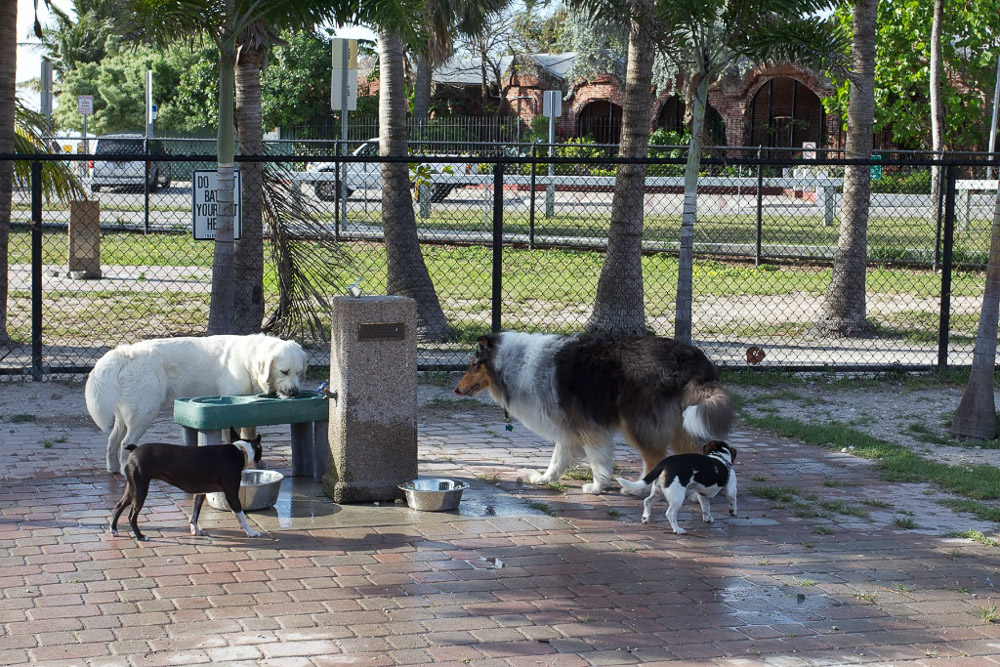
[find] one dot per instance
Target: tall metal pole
(345, 49)
(47, 99)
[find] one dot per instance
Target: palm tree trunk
(976, 416)
(220, 314)
(689, 214)
(248, 292)
(618, 307)
(842, 312)
(8, 58)
(407, 273)
(422, 90)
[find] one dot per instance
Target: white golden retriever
(132, 383)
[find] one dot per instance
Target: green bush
(917, 182)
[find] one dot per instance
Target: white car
(111, 173)
(368, 175)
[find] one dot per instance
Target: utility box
(84, 239)
(373, 420)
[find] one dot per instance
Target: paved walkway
(818, 569)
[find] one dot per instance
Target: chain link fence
(519, 247)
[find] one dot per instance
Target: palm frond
(303, 256)
(58, 179)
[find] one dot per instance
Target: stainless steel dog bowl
(258, 491)
(433, 494)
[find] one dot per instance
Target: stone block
(373, 422)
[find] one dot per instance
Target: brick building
(770, 107)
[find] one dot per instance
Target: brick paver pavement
(818, 569)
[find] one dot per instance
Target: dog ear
(303, 362)
(261, 369)
(732, 453)
(483, 345)
(713, 446)
(233, 435)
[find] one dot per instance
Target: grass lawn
(549, 290)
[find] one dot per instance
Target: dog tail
(654, 473)
(708, 412)
(101, 391)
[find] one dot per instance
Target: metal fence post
(531, 207)
(145, 188)
(336, 194)
(36, 270)
(497, 296)
(946, 267)
(760, 209)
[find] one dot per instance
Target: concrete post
(84, 239)
(373, 422)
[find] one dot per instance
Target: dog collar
(244, 448)
(722, 457)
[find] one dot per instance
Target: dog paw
(142, 538)
(645, 519)
(708, 518)
(253, 533)
(197, 532)
(595, 489)
(679, 531)
(538, 478)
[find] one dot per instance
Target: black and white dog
(703, 476)
(197, 470)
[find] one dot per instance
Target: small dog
(700, 475)
(197, 470)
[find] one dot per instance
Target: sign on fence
(205, 204)
(876, 169)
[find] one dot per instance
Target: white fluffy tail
(101, 391)
(708, 412)
(636, 488)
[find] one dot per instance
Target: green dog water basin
(210, 413)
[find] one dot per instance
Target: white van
(111, 173)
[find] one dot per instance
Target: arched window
(602, 120)
(783, 114)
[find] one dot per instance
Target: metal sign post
(344, 98)
(551, 107)
(47, 99)
(85, 105)
(150, 107)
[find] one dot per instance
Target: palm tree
(8, 90)
(618, 305)
(407, 272)
(976, 416)
(226, 22)
(842, 311)
(248, 296)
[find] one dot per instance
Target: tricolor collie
(581, 391)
